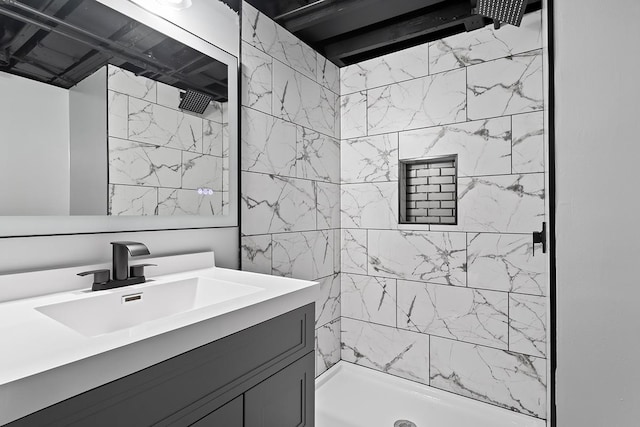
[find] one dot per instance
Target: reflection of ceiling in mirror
(63, 42)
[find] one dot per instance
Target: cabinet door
(285, 399)
(229, 415)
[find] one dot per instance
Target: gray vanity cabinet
(230, 415)
(262, 376)
(283, 400)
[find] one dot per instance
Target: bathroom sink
(108, 311)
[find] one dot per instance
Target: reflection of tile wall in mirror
(161, 156)
(125, 95)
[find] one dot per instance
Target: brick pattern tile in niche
(428, 191)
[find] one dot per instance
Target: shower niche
(428, 191)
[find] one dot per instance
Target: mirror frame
(24, 226)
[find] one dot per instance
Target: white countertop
(43, 361)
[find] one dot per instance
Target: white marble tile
(132, 200)
(394, 351)
(505, 262)
(486, 44)
(188, 202)
(370, 159)
(168, 96)
(225, 203)
(318, 156)
(271, 38)
(328, 74)
(215, 111)
(483, 147)
(257, 79)
(418, 255)
(132, 163)
(528, 142)
(158, 125)
(504, 204)
(225, 130)
(118, 121)
(460, 313)
(300, 100)
(337, 117)
(225, 175)
(306, 255)
(255, 252)
(296, 54)
(272, 204)
(328, 302)
(337, 250)
(513, 381)
(505, 86)
(224, 108)
(257, 29)
(354, 251)
(395, 67)
(328, 205)
(427, 101)
(353, 115)
(369, 205)
(327, 346)
(268, 144)
(372, 299)
(528, 324)
(127, 83)
(212, 138)
(201, 171)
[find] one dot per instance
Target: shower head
(194, 101)
(507, 11)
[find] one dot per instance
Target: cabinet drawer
(184, 389)
(284, 400)
(230, 415)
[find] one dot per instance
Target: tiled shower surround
(458, 307)
(290, 209)
(160, 156)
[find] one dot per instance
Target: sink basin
(113, 310)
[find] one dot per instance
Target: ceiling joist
(350, 31)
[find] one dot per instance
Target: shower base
(348, 395)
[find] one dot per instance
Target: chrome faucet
(122, 274)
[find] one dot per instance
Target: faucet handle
(100, 277)
(138, 269)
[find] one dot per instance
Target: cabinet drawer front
(284, 400)
(230, 415)
(194, 383)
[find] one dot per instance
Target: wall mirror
(114, 119)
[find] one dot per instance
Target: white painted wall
(34, 136)
(598, 154)
(88, 139)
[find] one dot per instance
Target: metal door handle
(540, 237)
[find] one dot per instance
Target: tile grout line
(455, 340)
(450, 70)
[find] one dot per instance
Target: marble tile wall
(160, 158)
(461, 308)
(290, 168)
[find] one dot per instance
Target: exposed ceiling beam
(416, 26)
(347, 15)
